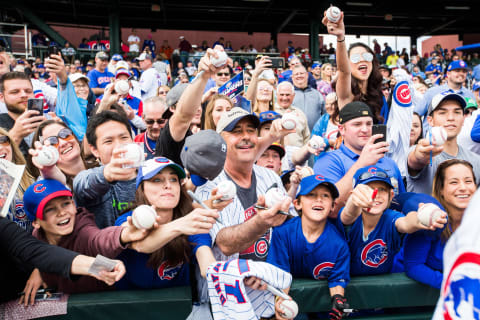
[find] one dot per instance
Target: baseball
(122, 87)
(143, 217)
(134, 153)
(306, 172)
(428, 213)
(289, 309)
(289, 121)
(333, 14)
(438, 135)
(316, 142)
(273, 196)
(221, 60)
(48, 156)
(227, 189)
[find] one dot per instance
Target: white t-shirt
(149, 83)
(134, 47)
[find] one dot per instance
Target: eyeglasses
(4, 140)
(64, 134)
(150, 122)
(80, 86)
(223, 74)
(368, 175)
(366, 56)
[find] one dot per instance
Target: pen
(39, 291)
(280, 211)
(200, 202)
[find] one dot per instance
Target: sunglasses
(4, 140)
(366, 56)
(162, 92)
(223, 74)
(64, 134)
(368, 175)
(247, 78)
(150, 122)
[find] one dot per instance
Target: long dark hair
(178, 250)
(374, 97)
(439, 184)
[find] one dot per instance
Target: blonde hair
(18, 158)
(208, 120)
(270, 104)
(322, 73)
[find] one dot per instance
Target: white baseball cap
(446, 95)
(77, 76)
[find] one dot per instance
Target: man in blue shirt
(456, 75)
(357, 150)
(100, 77)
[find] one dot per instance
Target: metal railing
(18, 48)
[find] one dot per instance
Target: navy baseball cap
(268, 116)
(285, 177)
(229, 119)
(39, 194)
(311, 182)
(457, 64)
(153, 166)
(279, 148)
(369, 174)
(117, 57)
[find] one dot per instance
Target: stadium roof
(362, 16)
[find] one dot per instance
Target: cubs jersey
(327, 258)
(99, 79)
(229, 297)
(373, 253)
(140, 275)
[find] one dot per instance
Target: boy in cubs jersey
(374, 232)
(310, 246)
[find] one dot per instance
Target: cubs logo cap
(369, 174)
(204, 154)
(458, 64)
(39, 194)
(229, 119)
(311, 182)
(353, 110)
(268, 116)
(154, 166)
(443, 96)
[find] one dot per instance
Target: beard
(15, 108)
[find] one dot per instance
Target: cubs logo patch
(162, 160)
(461, 291)
(319, 177)
(261, 248)
(19, 211)
(402, 95)
(167, 272)
(375, 253)
(39, 188)
(322, 270)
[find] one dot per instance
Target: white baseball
(143, 217)
(333, 14)
(122, 87)
(306, 172)
(273, 196)
(134, 153)
(227, 189)
(221, 60)
(289, 121)
(288, 308)
(317, 142)
(428, 213)
(439, 135)
(48, 156)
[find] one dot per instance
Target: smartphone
(35, 104)
(278, 62)
(380, 128)
(52, 50)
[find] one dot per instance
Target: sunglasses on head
(150, 122)
(64, 134)
(4, 140)
(368, 175)
(366, 56)
(225, 74)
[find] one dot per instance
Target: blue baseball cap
(268, 116)
(311, 182)
(315, 65)
(369, 174)
(20, 62)
(40, 66)
(117, 57)
(476, 86)
(39, 194)
(153, 166)
(457, 64)
(285, 176)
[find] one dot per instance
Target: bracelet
(341, 40)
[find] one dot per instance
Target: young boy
(375, 233)
(58, 221)
(309, 246)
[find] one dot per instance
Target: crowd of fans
(167, 101)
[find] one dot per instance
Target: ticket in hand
(101, 263)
